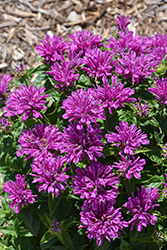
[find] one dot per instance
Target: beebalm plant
(84, 145)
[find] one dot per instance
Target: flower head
(79, 144)
(141, 207)
(4, 124)
(18, 192)
(128, 138)
(49, 175)
(130, 167)
(63, 75)
(141, 109)
(39, 142)
(165, 184)
(160, 90)
(4, 90)
(55, 226)
(122, 23)
(83, 41)
(102, 219)
(96, 182)
(82, 106)
(98, 63)
(27, 102)
(52, 48)
(114, 96)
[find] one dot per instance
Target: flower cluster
(18, 192)
(141, 109)
(4, 124)
(141, 207)
(27, 102)
(160, 90)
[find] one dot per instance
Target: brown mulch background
(24, 22)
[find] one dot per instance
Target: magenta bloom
(135, 67)
(4, 89)
(98, 63)
(160, 91)
(102, 219)
(83, 41)
(130, 167)
(141, 109)
(63, 75)
(39, 142)
(96, 182)
(50, 175)
(83, 107)
(122, 23)
(55, 226)
(141, 207)
(165, 184)
(115, 95)
(79, 144)
(128, 138)
(27, 102)
(52, 48)
(18, 193)
(4, 124)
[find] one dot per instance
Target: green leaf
(53, 203)
(47, 240)
(78, 241)
(65, 239)
(58, 248)
(64, 209)
(138, 246)
(40, 78)
(124, 245)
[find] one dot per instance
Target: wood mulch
(24, 22)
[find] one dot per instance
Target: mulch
(23, 23)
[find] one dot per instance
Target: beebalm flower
(160, 91)
(165, 184)
(81, 144)
(141, 109)
(83, 40)
(52, 48)
(130, 167)
(128, 138)
(49, 175)
(134, 67)
(27, 102)
(83, 107)
(122, 23)
(4, 124)
(39, 142)
(115, 95)
(96, 182)
(102, 219)
(55, 226)
(63, 75)
(18, 193)
(4, 89)
(98, 63)
(141, 207)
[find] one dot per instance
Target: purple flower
(122, 23)
(135, 67)
(141, 207)
(52, 48)
(160, 90)
(83, 41)
(96, 182)
(63, 75)
(165, 184)
(102, 219)
(128, 138)
(18, 193)
(4, 124)
(55, 226)
(98, 63)
(4, 90)
(50, 175)
(130, 167)
(39, 142)
(141, 109)
(21, 70)
(84, 143)
(83, 107)
(27, 102)
(115, 95)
